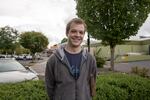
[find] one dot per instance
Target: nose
(78, 33)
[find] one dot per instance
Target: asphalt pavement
(126, 67)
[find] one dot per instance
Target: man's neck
(72, 50)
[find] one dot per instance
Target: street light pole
(88, 42)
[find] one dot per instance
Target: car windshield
(10, 65)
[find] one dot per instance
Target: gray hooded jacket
(60, 83)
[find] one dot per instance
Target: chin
(76, 45)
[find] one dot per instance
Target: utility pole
(88, 42)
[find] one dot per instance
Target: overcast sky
(47, 16)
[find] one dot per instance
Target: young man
(71, 71)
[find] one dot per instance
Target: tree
(64, 40)
(113, 21)
(21, 50)
(34, 41)
(8, 38)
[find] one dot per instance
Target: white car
(11, 71)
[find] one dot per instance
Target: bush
(140, 71)
(112, 86)
(99, 60)
(29, 90)
(122, 87)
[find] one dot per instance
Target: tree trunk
(112, 50)
(33, 57)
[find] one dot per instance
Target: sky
(46, 16)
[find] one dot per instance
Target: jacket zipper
(75, 89)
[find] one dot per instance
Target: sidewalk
(40, 66)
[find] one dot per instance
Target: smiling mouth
(76, 40)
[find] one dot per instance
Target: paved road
(126, 67)
(39, 67)
(122, 67)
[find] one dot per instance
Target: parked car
(23, 57)
(11, 71)
(6, 56)
(28, 57)
(2, 56)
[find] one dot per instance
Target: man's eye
(81, 32)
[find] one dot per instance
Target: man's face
(76, 34)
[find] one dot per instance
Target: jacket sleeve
(93, 73)
(49, 78)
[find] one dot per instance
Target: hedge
(118, 86)
(29, 90)
(110, 86)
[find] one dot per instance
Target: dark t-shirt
(74, 61)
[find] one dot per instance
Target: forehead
(78, 26)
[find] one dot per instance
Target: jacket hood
(61, 55)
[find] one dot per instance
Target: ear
(67, 34)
